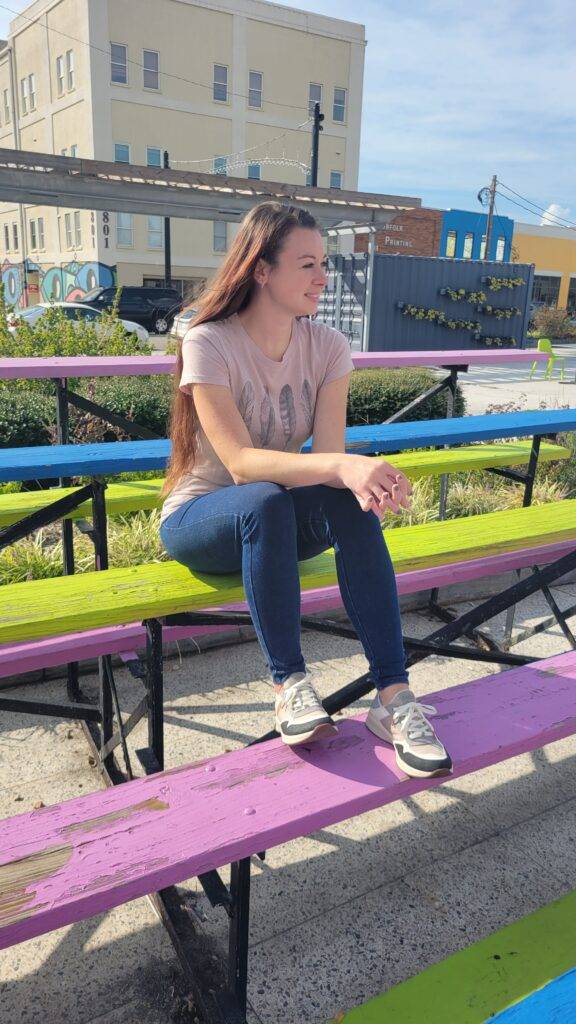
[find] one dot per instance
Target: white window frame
(33, 235)
(151, 71)
(339, 173)
(220, 168)
(60, 75)
(255, 90)
(7, 237)
(70, 80)
(127, 226)
(24, 95)
(219, 236)
(311, 102)
(119, 64)
(77, 230)
(451, 236)
(337, 106)
(500, 248)
(32, 91)
(7, 112)
(468, 243)
(153, 149)
(483, 247)
(255, 177)
(215, 84)
(155, 233)
(15, 238)
(129, 160)
(41, 235)
(68, 229)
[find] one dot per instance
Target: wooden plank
(134, 495)
(39, 608)
(520, 974)
(48, 461)
(80, 858)
(29, 656)
(59, 367)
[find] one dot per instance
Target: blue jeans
(263, 530)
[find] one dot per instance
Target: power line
(554, 224)
(568, 223)
(165, 74)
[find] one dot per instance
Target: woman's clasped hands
(377, 485)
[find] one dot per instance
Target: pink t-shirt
(275, 399)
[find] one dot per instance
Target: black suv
(154, 308)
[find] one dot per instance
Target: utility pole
(492, 193)
(318, 118)
(167, 250)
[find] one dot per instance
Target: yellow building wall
(548, 254)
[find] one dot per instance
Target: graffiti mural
(69, 281)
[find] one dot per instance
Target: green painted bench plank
(40, 608)
(475, 984)
(133, 495)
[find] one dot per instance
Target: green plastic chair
(545, 345)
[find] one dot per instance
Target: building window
(451, 244)
(15, 236)
(220, 87)
(155, 232)
(255, 89)
(7, 116)
(332, 245)
(33, 237)
(68, 228)
(32, 91)
(339, 106)
(24, 95)
(122, 152)
(220, 165)
(335, 179)
(74, 150)
(483, 248)
(151, 69)
(153, 156)
(41, 241)
(546, 289)
(77, 229)
(314, 96)
(124, 229)
(309, 177)
(254, 171)
(119, 63)
(571, 300)
(70, 69)
(468, 242)
(500, 247)
(64, 152)
(60, 75)
(220, 239)
(7, 238)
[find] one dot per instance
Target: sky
(455, 92)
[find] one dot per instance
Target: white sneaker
(403, 723)
(300, 716)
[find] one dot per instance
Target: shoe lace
(302, 696)
(411, 717)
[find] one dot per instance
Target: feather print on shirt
(308, 405)
(246, 404)
(287, 414)
(267, 420)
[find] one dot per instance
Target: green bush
(377, 394)
(25, 418)
(550, 322)
(145, 400)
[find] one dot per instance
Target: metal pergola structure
(45, 179)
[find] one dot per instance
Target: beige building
(225, 88)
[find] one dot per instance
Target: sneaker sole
(321, 732)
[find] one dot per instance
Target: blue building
(464, 236)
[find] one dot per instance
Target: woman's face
(300, 276)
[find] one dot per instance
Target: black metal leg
(527, 501)
(238, 933)
(155, 687)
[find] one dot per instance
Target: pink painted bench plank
(66, 862)
(61, 367)
(30, 656)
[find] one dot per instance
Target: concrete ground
(337, 917)
(489, 386)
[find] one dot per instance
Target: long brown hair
(261, 236)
